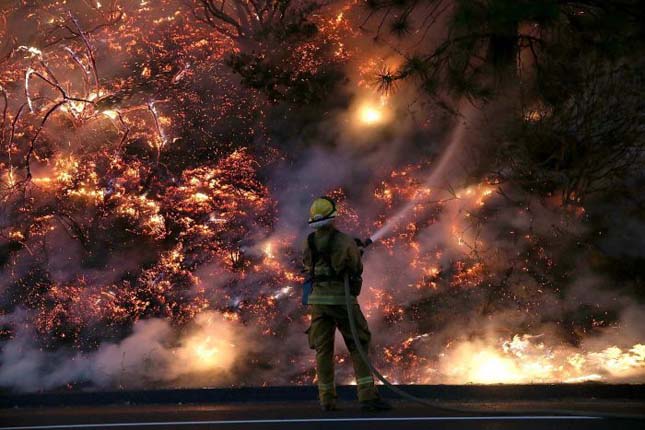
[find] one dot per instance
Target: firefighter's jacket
(344, 256)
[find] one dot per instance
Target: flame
(195, 218)
(268, 250)
(200, 197)
(489, 367)
(206, 353)
(528, 359)
(370, 114)
(35, 52)
(112, 114)
(211, 347)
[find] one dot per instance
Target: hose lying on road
(363, 354)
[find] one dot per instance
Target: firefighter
(330, 254)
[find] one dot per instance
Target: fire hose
(363, 353)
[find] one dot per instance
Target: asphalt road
(587, 414)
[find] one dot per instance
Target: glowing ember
(152, 214)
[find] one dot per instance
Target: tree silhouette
(270, 36)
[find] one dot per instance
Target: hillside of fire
(158, 158)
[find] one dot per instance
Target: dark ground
(466, 407)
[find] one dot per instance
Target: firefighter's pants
(324, 321)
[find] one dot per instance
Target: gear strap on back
(325, 254)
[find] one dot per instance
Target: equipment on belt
(356, 281)
(307, 288)
(308, 285)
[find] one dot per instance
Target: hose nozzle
(362, 244)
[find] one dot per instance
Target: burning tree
(561, 82)
(282, 48)
(585, 145)
(255, 22)
(573, 67)
(153, 155)
(89, 168)
(481, 40)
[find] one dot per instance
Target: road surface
(573, 415)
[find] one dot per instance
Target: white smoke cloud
(154, 355)
(348, 155)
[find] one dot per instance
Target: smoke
(496, 235)
(497, 354)
(177, 263)
(439, 176)
(468, 260)
(155, 354)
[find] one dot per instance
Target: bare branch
(90, 52)
(212, 13)
(115, 17)
(4, 114)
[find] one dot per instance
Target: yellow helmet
(322, 211)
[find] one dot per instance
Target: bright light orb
(370, 115)
(205, 353)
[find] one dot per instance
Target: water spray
(454, 144)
